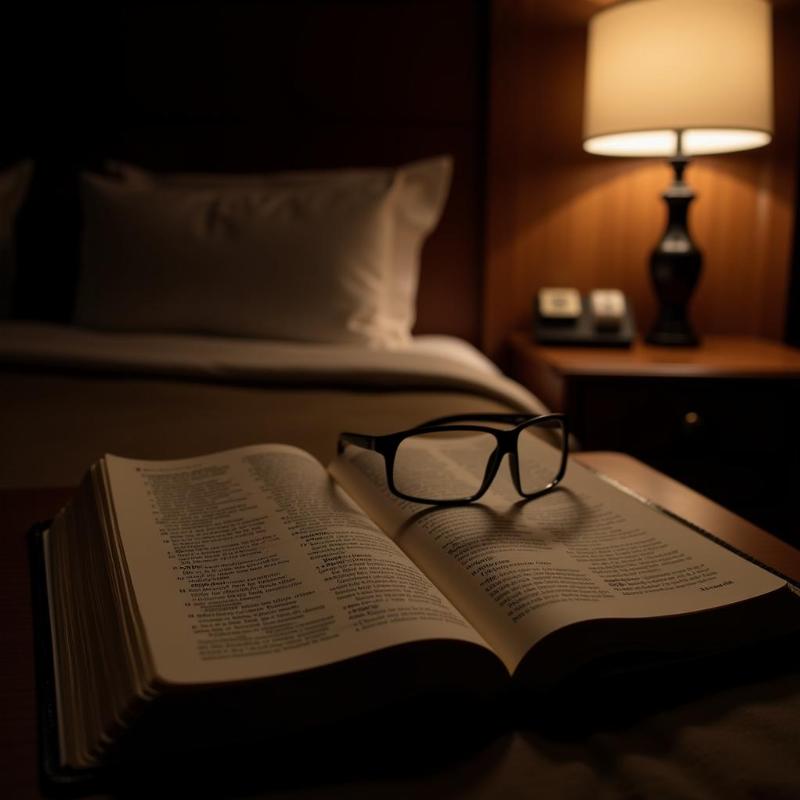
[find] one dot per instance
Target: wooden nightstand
(723, 418)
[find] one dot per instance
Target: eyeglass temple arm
(488, 417)
(358, 439)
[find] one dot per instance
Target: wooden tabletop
(726, 356)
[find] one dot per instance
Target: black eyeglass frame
(507, 440)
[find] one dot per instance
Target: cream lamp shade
(657, 67)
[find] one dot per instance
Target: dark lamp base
(673, 338)
(675, 267)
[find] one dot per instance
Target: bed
(218, 309)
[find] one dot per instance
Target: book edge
(54, 777)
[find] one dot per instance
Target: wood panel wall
(560, 217)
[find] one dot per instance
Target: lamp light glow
(696, 142)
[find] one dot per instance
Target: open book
(254, 587)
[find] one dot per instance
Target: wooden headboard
(251, 86)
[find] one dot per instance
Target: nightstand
(723, 418)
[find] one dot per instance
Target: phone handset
(603, 317)
(607, 307)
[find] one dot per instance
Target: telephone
(603, 317)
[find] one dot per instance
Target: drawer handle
(692, 420)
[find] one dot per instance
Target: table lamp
(678, 78)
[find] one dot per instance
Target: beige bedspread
(68, 395)
(55, 425)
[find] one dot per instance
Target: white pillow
(327, 256)
(13, 185)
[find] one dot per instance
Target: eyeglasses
(453, 460)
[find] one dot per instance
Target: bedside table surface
(730, 356)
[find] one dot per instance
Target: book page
(254, 563)
(519, 569)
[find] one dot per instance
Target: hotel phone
(603, 317)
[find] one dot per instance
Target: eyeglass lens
(539, 453)
(446, 466)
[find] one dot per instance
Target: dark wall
(251, 86)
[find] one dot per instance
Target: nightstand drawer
(723, 418)
(685, 416)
